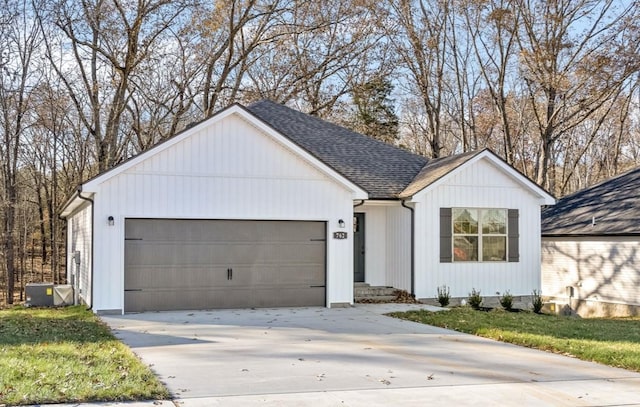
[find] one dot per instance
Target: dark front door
(358, 247)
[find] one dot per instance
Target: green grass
(613, 342)
(67, 355)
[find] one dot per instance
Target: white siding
(599, 268)
(375, 241)
(398, 273)
(387, 244)
(477, 185)
(228, 170)
(79, 240)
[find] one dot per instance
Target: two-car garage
(173, 264)
(229, 213)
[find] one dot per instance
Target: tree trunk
(9, 219)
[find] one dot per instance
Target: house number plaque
(339, 235)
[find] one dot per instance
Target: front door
(358, 247)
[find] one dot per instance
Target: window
(479, 234)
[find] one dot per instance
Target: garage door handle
(317, 286)
(229, 274)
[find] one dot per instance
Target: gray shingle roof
(436, 169)
(382, 170)
(615, 204)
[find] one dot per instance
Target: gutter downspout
(66, 249)
(93, 232)
(360, 204)
(66, 239)
(413, 244)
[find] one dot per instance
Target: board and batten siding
(375, 250)
(79, 240)
(387, 244)
(398, 272)
(599, 268)
(480, 184)
(227, 170)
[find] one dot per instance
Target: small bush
(475, 299)
(536, 301)
(443, 296)
(507, 300)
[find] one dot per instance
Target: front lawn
(67, 355)
(613, 342)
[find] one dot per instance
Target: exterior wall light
(111, 221)
(341, 223)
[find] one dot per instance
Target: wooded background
(549, 85)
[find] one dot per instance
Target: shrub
(443, 296)
(506, 300)
(536, 301)
(475, 299)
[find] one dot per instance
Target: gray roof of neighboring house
(613, 204)
(381, 169)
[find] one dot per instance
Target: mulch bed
(402, 297)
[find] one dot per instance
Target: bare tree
(164, 91)
(418, 30)
(493, 26)
(229, 32)
(107, 40)
(316, 55)
(575, 55)
(19, 46)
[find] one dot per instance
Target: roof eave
(357, 191)
(73, 203)
(545, 198)
(92, 185)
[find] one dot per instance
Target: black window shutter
(445, 235)
(514, 236)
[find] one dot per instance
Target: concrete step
(373, 291)
(377, 298)
(363, 292)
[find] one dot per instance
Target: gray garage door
(201, 264)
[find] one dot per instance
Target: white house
(591, 248)
(264, 206)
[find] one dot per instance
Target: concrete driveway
(354, 357)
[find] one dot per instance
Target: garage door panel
(292, 297)
(201, 264)
(290, 274)
(272, 253)
(163, 276)
(153, 252)
(187, 299)
(224, 231)
(168, 277)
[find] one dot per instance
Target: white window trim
(480, 235)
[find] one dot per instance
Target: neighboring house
(264, 206)
(591, 248)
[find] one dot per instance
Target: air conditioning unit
(39, 295)
(48, 295)
(62, 295)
